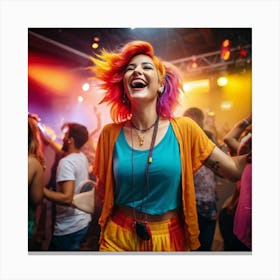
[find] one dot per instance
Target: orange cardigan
(195, 147)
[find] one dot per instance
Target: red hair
(109, 69)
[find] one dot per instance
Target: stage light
(198, 85)
(222, 81)
(243, 53)
(226, 105)
(94, 45)
(80, 99)
(85, 87)
(194, 65)
(186, 87)
(226, 49)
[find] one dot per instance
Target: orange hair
(109, 69)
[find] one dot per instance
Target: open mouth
(135, 84)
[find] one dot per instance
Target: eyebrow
(143, 63)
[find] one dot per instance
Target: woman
(146, 159)
(36, 166)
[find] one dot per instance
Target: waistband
(144, 217)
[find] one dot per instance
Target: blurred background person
(205, 190)
(36, 167)
(71, 225)
(234, 227)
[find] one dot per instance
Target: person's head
(196, 114)
(74, 134)
(34, 139)
(118, 70)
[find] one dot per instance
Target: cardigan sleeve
(103, 168)
(201, 145)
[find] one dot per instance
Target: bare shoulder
(32, 160)
(34, 165)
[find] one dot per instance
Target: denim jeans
(68, 242)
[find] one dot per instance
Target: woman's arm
(223, 165)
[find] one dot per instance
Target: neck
(73, 150)
(143, 120)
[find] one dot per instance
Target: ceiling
(58, 57)
(72, 45)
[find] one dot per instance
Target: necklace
(142, 228)
(145, 129)
(142, 138)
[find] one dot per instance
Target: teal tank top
(163, 193)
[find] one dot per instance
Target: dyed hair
(34, 140)
(109, 68)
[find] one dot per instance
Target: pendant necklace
(141, 139)
(141, 228)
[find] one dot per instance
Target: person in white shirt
(71, 224)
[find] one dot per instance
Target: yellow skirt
(120, 235)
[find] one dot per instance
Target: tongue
(138, 85)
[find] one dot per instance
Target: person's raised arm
(231, 139)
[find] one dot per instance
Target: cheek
(125, 82)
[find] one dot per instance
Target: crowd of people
(152, 185)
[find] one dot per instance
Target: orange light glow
(56, 79)
(198, 85)
(226, 49)
(226, 43)
(194, 65)
(226, 54)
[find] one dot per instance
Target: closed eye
(145, 66)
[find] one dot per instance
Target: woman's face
(141, 79)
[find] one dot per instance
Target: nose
(138, 70)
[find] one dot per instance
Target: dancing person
(36, 168)
(146, 158)
(205, 190)
(242, 224)
(241, 129)
(235, 217)
(71, 224)
(59, 152)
